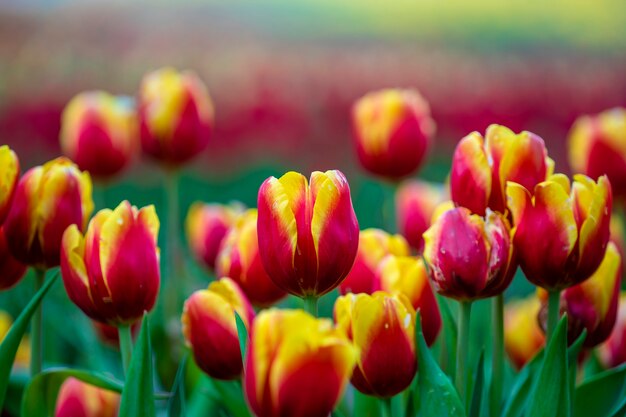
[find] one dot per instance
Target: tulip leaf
(138, 393)
(437, 396)
(477, 395)
(601, 394)
(449, 333)
(11, 342)
(231, 397)
(176, 403)
(242, 334)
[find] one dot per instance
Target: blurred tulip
(382, 328)
(100, 132)
(597, 146)
(415, 206)
(9, 175)
(408, 276)
(22, 357)
(613, 352)
(482, 167)
(523, 336)
(296, 365)
(110, 336)
(48, 199)
(11, 270)
(112, 273)
(392, 130)
(470, 257)
(308, 233)
(561, 231)
(176, 115)
(79, 399)
(211, 331)
(374, 245)
(616, 228)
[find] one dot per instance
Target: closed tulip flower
(176, 115)
(392, 131)
(112, 272)
(374, 245)
(48, 199)
(481, 167)
(79, 399)
(211, 331)
(100, 132)
(308, 233)
(382, 329)
(11, 270)
(523, 336)
(613, 351)
(9, 175)
(561, 230)
(296, 365)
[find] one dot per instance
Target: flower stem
(126, 346)
(462, 349)
(554, 298)
(171, 292)
(36, 336)
(497, 305)
(310, 304)
(386, 406)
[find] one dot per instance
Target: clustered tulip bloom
(112, 273)
(374, 245)
(9, 175)
(11, 270)
(470, 257)
(481, 167)
(296, 365)
(100, 132)
(176, 115)
(79, 399)
(308, 233)
(48, 199)
(382, 329)
(22, 356)
(613, 352)
(523, 337)
(211, 331)
(561, 229)
(597, 146)
(392, 130)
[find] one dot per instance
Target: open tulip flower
(481, 167)
(79, 399)
(11, 270)
(523, 337)
(308, 233)
(613, 351)
(176, 115)
(296, 365)
(374, 245)
(48, 199)
(100, 132)
(211, 331)
(112, 272)
(561, 229)
(9, 175)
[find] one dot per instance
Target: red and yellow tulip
(308, 233)
(11, 270)
(523, 337)
(9, 175)
(211, 331)
(112, 272)
(613, 351)
(79, 399)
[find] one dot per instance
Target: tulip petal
(470, 176)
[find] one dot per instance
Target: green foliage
(242, 334)
(601, 395)
(176, 403)
(479, 378)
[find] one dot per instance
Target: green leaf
(437, 395)
(176, 403)
(450, 334)
(138, 393)
(12, 340)
(477, 395)
(231, 397)
(572, 365)
(365, 405)
(242, 334)
(601, 394)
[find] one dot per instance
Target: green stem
(497, 305)
(389, 206)
(462, 349)
(126, 346)
(310, 304)
(36, 336)
(554, 298)
(170, 290)
(386, 406)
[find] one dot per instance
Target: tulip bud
(392, 130)
(211, 331)
(613, 352)
(523, 336)
(374, 245)
(112, 273)
(176, 115)
(206, 226)
(100, 132)
(48, 199)
(561, 231)
(470, 257)
(11, 270)
(296, 365)
(79, 399)
(415, 205)
(308, 233)
(482, 167)
(22, 356)
(597, 146)
(382, 329)
(408, 276)
(9, 175)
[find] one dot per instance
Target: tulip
(408, 276)
(176, 115)
(374, 245)
(481, 167)
(9, 175)
(613, 352)
(112, 273)
(239, 259)
(295, 365)
(206, 226)
(415, 205)
(597, 146)
(79, 399)
(100, 132)
(308, 233)
(211, 331)
(382, 329)
(523, 336)
(22, 356)
(392, 131)
(11, 270)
